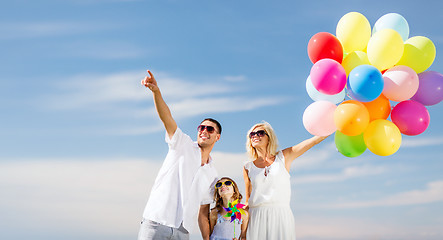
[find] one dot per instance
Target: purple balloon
(411, 117)
(430, 88)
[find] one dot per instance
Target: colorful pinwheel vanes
(235, 210)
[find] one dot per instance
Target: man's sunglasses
(210, 129)
(220, 184)
(259, 133)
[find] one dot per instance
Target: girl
(226, 191)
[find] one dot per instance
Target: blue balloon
(365, 83)
(315, 95)
(393, 21)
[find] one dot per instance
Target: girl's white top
(224, 229)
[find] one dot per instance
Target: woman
(267, 183)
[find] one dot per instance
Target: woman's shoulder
(280, 155)
(248, 165)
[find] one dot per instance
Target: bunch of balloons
(371, 75)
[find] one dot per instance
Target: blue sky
(81, 143)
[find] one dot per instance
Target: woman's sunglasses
(259, 133)
(220, 184)
(210, 129)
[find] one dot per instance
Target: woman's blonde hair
(272, 144)
(219, 200)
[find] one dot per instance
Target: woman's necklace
(268, 164)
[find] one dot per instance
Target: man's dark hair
(216, 123)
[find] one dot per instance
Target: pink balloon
(411, 117)
(401, 83)
(328, 76)
(430, 89)
(318, 118)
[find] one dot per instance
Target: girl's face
(226, 189)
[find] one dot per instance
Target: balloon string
(234, 228)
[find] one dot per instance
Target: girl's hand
(246, 206)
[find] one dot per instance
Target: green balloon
(349, 146)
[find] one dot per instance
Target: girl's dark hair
(219, 200)
(216, 123)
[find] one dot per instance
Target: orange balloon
(351, 117)
(380, 108)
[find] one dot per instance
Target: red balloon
(325, 45)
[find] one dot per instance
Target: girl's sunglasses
(210, 129)
(220, 184)
(259, 133)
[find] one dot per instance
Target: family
(187, 184)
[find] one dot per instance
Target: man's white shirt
(182, 185)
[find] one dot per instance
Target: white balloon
(315, 95)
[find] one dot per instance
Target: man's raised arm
(160, 105)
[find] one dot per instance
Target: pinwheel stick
(235, 211)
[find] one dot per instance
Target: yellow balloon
(353, 60)
(385, 49)
(419, 53)
(382, 137)
(353, 31)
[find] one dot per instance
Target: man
(182, 190)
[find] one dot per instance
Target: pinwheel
(234, 211)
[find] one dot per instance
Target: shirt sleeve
(281, 156)
(248, 166)
(208, 198)
(177, 140)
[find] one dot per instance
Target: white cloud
(76, 194)
(432, 193)
(90, 2)
(326, 228)
(83, 90)
(231, 165)
(239, 78)
(106, 197)
(192, 107)
(346, 174)
(131, 130)
(20, 30)
(104, 49)
(178, 88)
(420, 142)
(86, 91)
(121, 95)
(87, 195)
(314, 157)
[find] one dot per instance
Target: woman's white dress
(270, 215)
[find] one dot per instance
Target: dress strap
(221, 219)
(248, 165)
(281, 156)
